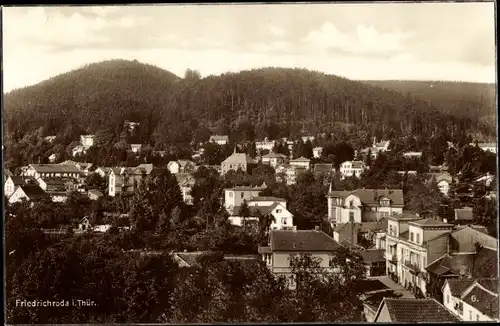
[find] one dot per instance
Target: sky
(411, 41)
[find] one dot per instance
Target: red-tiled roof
(417, 311)
(301, 240)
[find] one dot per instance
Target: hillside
(458, 98)
(269, 102)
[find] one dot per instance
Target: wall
(448, 299)
(281, 260)
(384, 316)
(416, 230)
(284, 213)
(476, 314)
(436, 248)
(17, 196)
(9, 187)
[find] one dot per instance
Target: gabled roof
(458, 285)
(405, 310)
(301, 240)
(373, 255)
(323, 168)
(274, 155)
(33, 191)
(239, 158)
(454, 264)
(55, 181)
(371, 197)
(264, 210)
(20, 180)
(482, 299)
(356, 164)
(464, 240)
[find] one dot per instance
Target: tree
(422, 198)
(244, 212)
(308, 201)
(192, 75)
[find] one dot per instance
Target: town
(403, 235)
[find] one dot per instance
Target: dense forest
(249, 105)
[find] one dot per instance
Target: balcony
(391, 257)
(413, 267)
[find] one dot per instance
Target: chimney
(185, 250)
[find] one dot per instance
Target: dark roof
(405, 235)
(458, 286)
(417, 311)
(464, 214)
(483, 301)
(380, 225)
(55, 168)
(373, 255)
(267, 199)
(262, 209)
(19, 180)
(57, 181)
(405, 216)
(465, 239)
(190, 257)
(455, 264)
(301, 240)
(490, 284)
(33, 191)
(371, 197)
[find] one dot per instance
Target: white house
(50, 139)
(14, 181)
(78, 150)
(363, 205)
(307, 138)
(186, 182)
(234, 197)
(87, 141)
(352, 169)
(282, 218)
(29, 192)
(274, 159)
(376, 148)
(102, 171)
(472, 299)
(301, 162)
(136, 148)
(443, 180)
(52, 158)
(219, 139)
(412, 154)
(488, 147)
(264, 145)
(181, 166)
(317, 152)
(126, 180)
(52, 170)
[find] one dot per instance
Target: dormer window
(385, 202)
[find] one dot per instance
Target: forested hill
(459, 98)
(269, 102)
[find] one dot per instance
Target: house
(84, 167)
(95, 194)
(78, 150)
(317, 152)
(55, 184)
(238, 161)
(371, 233)
(443, 180)
(103, 171)
(38, 171)
(126, 180)
(376, 148)
(270, 206)
(264, 145)
(234, 197)
(363, 205)
(472, 299)
(14, 181)
(50, 139)
(284, 244)
(412, 154)
(352, 169)
(289, 173)
(323, 168)
(488, 147)
(181, 166)
(131, 125)
(52, 158)
(186, 182)
(87, 141)
(374, 262)
(464, 215)
(301, 162)
(405, 310)
(29, 192)
(135, 148)
(274, 159)
(219, 140)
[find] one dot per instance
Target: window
(230, 195)
(477, 317)
(242, 195)
(411, 236)
(351, 216)
(390, 229)
(447, 299)
(278, 210)
(418, 237)
(470, 315)
(283, 221)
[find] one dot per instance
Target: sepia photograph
(250, 163)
